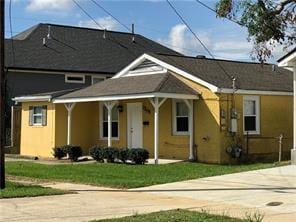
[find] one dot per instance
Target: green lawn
(124, 176)
(20, 190)
(174, 216)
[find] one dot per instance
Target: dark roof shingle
(77, 49)
(161, 83)
(249, 76)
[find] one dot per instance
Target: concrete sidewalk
(233, 194)
(254, 189)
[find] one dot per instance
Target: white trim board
(288, 61)
(32, 98)
(123, 97)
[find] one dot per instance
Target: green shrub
(111, 153)
(123, 154)
(73, 151)
(97, 153)
(58, 153)
(138, 155)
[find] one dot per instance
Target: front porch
(154, 112)
(148, 123)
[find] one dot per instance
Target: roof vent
(104, 34)
(44, 41)
(273, 67)
(133, 32)
(201, 57)
(48, 32)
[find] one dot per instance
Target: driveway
(248, 190)
(233, 194)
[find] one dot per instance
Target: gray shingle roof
(161, 83)
(77, 49)
(249, 76)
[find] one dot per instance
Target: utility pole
(2, 97)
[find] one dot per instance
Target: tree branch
(280, 7)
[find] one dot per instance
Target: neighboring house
(49, 57)
(289, 61)
(175, 106)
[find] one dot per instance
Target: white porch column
(189, 103)
(156, 103)
(69, 107)
(109, 105)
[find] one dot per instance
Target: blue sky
(152, 18)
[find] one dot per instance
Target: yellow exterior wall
(276, 117)
(83, 125)
(206, 124)
(211, 136)
(37, 140)
(170, 146)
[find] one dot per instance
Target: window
(37, 115)
(97, 79)
(251, 115)
(114, 122)
(74, 78)
(181, 118)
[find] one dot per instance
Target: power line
(85, 12)
(109, 13)
(187, 25)
(198, 39)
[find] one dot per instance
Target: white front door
(134, 125)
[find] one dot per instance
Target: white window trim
(175, 132)
(101, 105)
(36, 115)
(257, 107)
(97, 77)
(74, 81)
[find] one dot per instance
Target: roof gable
(208, 72)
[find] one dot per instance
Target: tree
(269, 22)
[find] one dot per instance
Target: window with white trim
(74, 78)
(95, 79)
(37, 115)
(180, 118)
(251, 113)
(114, 122)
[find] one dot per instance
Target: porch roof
(132, 87)
(38, 97)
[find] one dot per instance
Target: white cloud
(49, 5)
(105, 22)
(182, 41)
(228, 46)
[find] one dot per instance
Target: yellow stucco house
(175, 106)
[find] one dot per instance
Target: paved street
(234, 194)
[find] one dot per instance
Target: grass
(124, 176)
(174, 216)
(13, 190)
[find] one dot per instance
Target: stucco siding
(37, 140)
(83, 125)
(276, 117)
